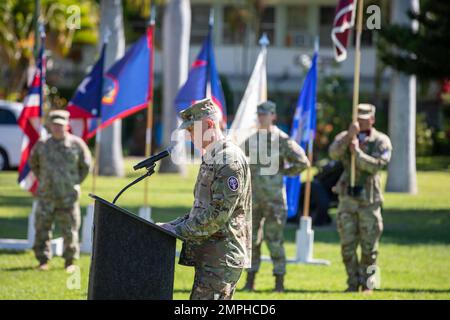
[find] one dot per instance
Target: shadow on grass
(16, 201)
(292, 291)
(15, 252)
(27, 268)
(412, 290)
(16, 228)
(406, 226)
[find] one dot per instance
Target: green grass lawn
(414, 255)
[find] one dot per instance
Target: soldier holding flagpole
(364, 151)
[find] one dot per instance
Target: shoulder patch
(233, 183)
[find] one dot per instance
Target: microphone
(152, 159)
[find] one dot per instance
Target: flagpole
(356, 82)
(149, 127)
(306, 202)
(42, 36)
(96, 156)
(307, 196)
(98, 134)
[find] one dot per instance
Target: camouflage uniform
(269, 195)
(218, 227)
(359, 218)
(60, 167)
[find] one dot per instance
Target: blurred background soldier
(268, 192)
(218, 227)
(60, 163)
(359, 219)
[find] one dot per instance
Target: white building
(291, 25)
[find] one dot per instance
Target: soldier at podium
(218, 227)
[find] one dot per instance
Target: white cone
(146, 213)
(86, 235)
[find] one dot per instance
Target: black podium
(131, 257)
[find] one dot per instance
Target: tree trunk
(402, 115)
(111, 158)
(176, 34)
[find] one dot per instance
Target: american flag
(29, 120)
(344, 20)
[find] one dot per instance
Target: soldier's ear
(210, 123)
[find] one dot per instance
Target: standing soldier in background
(60, 163)
(359, 218)
(268, 192)
(218, 227)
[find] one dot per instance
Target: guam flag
(29, 119)
(86, 103)
(303, 131)
(126, 87)
(203, 80)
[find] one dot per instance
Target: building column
(218, 23)
(313, 21)
(280, 25)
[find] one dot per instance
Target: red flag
(344, 20)
(29, 121)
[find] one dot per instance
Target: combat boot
(367, 290)
(250, 284)
(69, 266)
(279, 283)
(43, 266)
(352, 288)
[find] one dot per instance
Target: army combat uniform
(60, 167)
(218, 227)
(268, 193)
(359, 218)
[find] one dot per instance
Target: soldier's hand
(353, 129)
(354, 145)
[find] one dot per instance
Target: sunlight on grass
(414, 254)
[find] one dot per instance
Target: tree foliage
(425, 53)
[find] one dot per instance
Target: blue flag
(203, 80)
(127, 86)
(303, 131)
(87, 100)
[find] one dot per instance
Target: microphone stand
(150, 170)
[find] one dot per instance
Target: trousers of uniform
(268, 222)
(215, 283)
(359, 224)
(68, 218)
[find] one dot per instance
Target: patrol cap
(196, 111)
(267, 107)
(366, 111)
(59, 117)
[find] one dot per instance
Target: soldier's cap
(196, 112)
(366, 111)
(267, 107)
(59, 117)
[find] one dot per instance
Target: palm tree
(111, 158)
(17, 35)
(176, 33)
(402, 117)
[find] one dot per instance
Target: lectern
(131, 257)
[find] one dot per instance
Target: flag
(127, 85)
(246, 119)
(303, 131)
(30, 118)
(344, 20)
(203, 80)
(86, 103)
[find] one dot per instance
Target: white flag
(246, 120)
